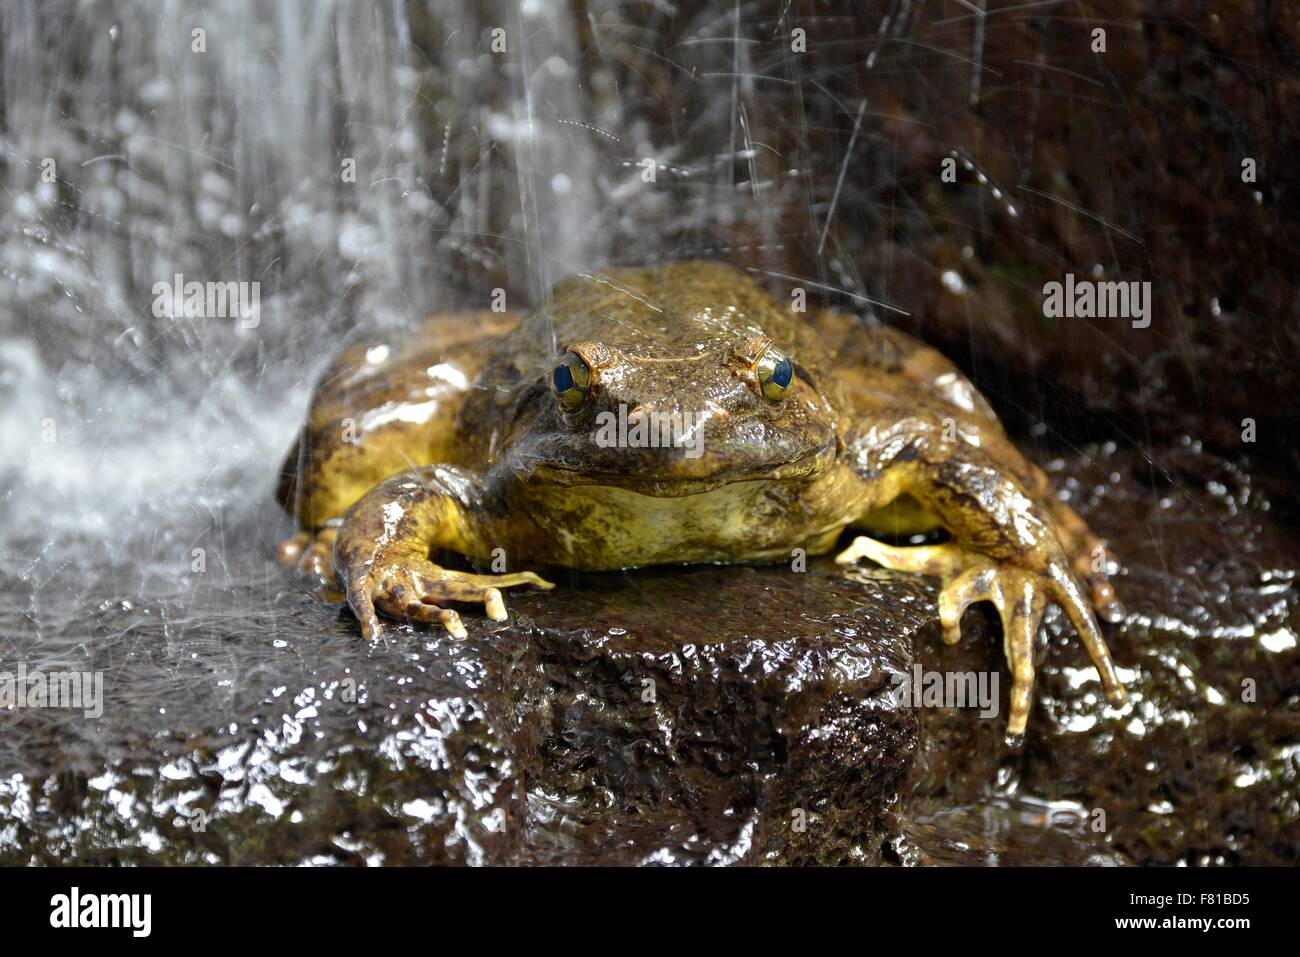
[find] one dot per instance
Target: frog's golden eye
(775, 373)
(571, 381)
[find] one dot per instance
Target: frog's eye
(775, 373)
(571, 380)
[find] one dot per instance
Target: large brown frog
(676, 414)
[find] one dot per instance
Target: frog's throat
(807, 466)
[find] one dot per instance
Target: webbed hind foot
(1021, 596)
(311, 553)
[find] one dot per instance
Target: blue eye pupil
(783, 373)
(563, 379)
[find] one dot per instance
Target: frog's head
(676, 420)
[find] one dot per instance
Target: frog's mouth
(673, 484)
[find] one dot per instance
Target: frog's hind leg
(311, 553)
(1089, 556)
(937, 561)
(1005, 546)
(967, 582)
(1020, 597)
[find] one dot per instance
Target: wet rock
(724, 715)
(1140, 164)
(690, 715)
(718, 715)
(714, 715)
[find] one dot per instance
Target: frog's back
(679, 309)
(382, 408)
(667, 311)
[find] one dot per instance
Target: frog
(677, 414)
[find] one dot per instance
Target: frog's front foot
(312, 553)
(1021, 596)
(381, 555)
(416, 591)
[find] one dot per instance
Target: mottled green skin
(453, 440)
(660, 339)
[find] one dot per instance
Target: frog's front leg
(381, 555)
(1004, 546)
